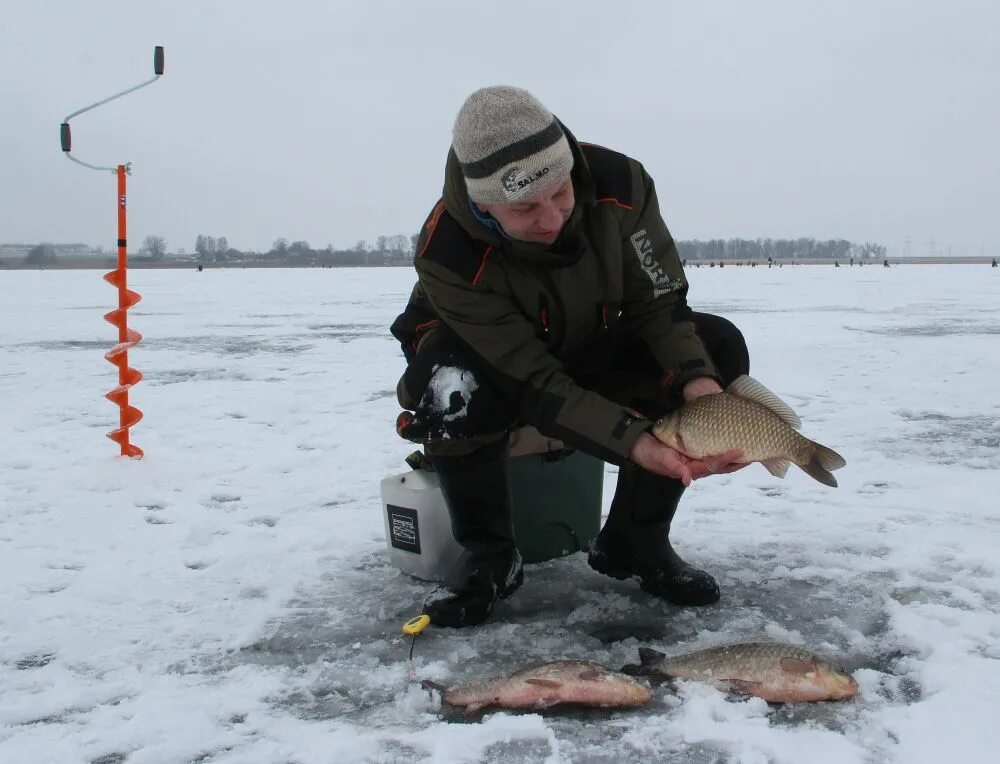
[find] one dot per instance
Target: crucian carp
(751, 418)
(776, 672)
(543, 685)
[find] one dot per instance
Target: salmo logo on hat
(514, 180)
(509, 179)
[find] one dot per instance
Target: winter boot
(635, 541)
(476, 490)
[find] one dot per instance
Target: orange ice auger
(118, 355)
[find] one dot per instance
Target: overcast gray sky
(329, 121)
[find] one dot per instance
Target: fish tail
(821, 461)
(649, 659)
(828, 458)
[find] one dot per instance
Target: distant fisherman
(550, 294)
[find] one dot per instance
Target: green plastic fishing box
(556, 496)
(557, 502)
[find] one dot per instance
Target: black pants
(458, 409)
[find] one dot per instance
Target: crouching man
(550, 294)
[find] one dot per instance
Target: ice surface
(229, 598)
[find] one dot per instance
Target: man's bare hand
(698, 387)
(652, 455)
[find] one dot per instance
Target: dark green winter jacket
(540, 317)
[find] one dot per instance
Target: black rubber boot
(635, 541)
(476, 490)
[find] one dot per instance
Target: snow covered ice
(229, 597)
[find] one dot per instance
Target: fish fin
(648, 655)
(829, 458)
(777, 466)
(741, 687)
(473, 708)
(816, 471)
(750, 388)
(649, 661)
(429, 684)
(797, 665)
(650, 676)
(551, 683)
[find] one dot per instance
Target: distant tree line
(777, 249)
(394, 249)
(385, 250)
(154, 247)
(399, 249)
(41, 254)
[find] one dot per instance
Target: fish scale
(735, 659)
(549, 684)
(748, 417)
(710, 423)
(778, 673)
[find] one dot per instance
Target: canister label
(404, 529)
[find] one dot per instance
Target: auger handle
(64, 132)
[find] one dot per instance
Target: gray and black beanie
(509, 145)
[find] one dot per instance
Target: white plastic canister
(417, 525)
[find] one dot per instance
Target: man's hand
(652, 455)
(699, 386)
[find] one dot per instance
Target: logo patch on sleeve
(623, 424)
(662, 283)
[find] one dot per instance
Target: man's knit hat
(509, 145)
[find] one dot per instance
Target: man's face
(539, 218)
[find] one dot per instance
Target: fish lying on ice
(543, 685)
(776, 672)
(751, 418)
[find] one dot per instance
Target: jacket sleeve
(655, 295)
(492, 326)
(413, 323)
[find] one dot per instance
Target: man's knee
(451, 397)
(403, 395)
(725, 344)
(462, 446)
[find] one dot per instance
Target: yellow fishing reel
(416, 625)
(412, 628)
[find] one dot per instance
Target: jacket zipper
(555, 340)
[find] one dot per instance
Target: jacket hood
(563, 251)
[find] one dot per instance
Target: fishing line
(413, 627)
